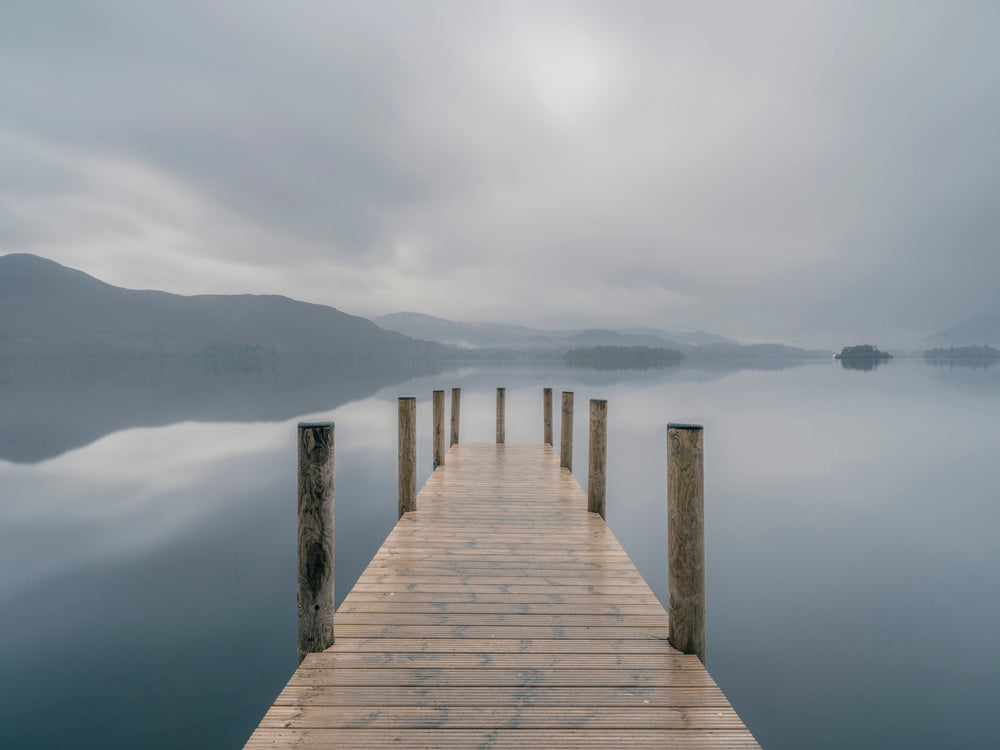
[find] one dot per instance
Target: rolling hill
(495, 335)
(982, 329)
(47, 309)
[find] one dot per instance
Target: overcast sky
(821, 173)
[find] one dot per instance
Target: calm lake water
(147, 538)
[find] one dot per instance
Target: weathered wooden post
(501, 413)
(314, 589)
(456, 402)
(438, 428)
(566, 431)
(547, 415)
(596, 474)
(686, 538)
(407, 454)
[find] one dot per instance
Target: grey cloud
(805, 170)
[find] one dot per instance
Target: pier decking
(501, 614)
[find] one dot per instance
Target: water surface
(147, 538)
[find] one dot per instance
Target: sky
(822, 173)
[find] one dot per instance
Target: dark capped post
(456, 403)
(501, 413)
(597, 469)
(547, 416)
(438, 428)
(314, 591)
(407, 454)
(566, 431)
(686, 538)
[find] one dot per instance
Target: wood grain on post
(456, 402)
(686, 538)
(438, 428)
(596, 474)
(407, 454)
(501, 413)
(566, 431)
(547, 416)
(314, 590)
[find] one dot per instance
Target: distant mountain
(47, 309)
(472, 335)
(982, 329)
(688, 338)
(493, 335)
(599, 337)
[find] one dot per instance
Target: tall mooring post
(456, 403)
(407, 454)
(566, 431)
(501, 414)
(597, 469)
(547, 416)
(438, 428)
(314, 589)
(686, 538)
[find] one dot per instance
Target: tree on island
(865, 351)
(963, 354)
(864, 357)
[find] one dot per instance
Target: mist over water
(147, 539)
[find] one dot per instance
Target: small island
(622, 357)
(863, 357)
(865, 351)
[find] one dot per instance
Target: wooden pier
(500, 613)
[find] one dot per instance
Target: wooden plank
(562, 547)
(450, 553)
(525, 717)
(503, 588)
(504, 739)
(498, 696)
(687, 678)
(582, 600)
(471, 559)
(499, 631)
(514, 620)
(513, 607)
(501, 569)
(439, 660)
(505, 645)
(503, 577)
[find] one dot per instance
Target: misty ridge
(497, 335)
(981, 329)
(598, 347)
(97, 359)
(48, 310)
